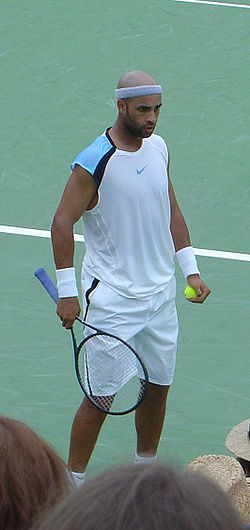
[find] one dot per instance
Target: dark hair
(245, 464)
(32, 475)
(141, 497)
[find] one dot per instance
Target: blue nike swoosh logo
(139, 171)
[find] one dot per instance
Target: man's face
(141, 114)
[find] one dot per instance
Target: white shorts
(149, 325)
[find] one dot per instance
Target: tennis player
(134, 230)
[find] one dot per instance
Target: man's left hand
(201, 289)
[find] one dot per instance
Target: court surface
(59, 67)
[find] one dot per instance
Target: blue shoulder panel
(95, 157)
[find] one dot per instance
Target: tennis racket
(109, 371)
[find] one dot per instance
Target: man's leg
(149, 419)
(85, 430)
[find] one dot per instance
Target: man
(133, 229)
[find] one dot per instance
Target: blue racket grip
(47, 283)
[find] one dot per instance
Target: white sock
(78, 479)
(145, 459)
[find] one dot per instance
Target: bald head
(136, 78)
(137, 83)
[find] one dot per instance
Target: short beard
(131, 125)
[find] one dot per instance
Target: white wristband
(187, 261)
(66, 282)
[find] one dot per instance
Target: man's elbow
(61, 224)
(56, 224)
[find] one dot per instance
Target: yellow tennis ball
(190, 292)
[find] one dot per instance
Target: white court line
(206, 2)
(17, 230)
(221, 254)
(32, 232)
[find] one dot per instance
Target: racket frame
(51, 289)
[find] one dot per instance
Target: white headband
(136, 91)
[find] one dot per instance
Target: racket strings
(110, 373)
(142, 389)
(105, 402)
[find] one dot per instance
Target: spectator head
(152, 497)
(228, 473)
(32, 475)
(238, 442)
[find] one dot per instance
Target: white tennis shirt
(129, 245)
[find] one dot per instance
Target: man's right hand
(67, 310)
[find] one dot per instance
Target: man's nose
(151, 117)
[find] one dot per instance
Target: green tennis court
(59, 67)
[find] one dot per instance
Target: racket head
(124, 362)
(111, 373)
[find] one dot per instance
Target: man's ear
(121, 105)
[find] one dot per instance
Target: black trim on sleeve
(100, 168)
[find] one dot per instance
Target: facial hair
(133, 127)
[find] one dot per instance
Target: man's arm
(178, 227)
(79, 194)
(181, 238)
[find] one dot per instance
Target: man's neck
(123, 140)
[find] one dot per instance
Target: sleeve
(95, 157)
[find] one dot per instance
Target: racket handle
(47, 283)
